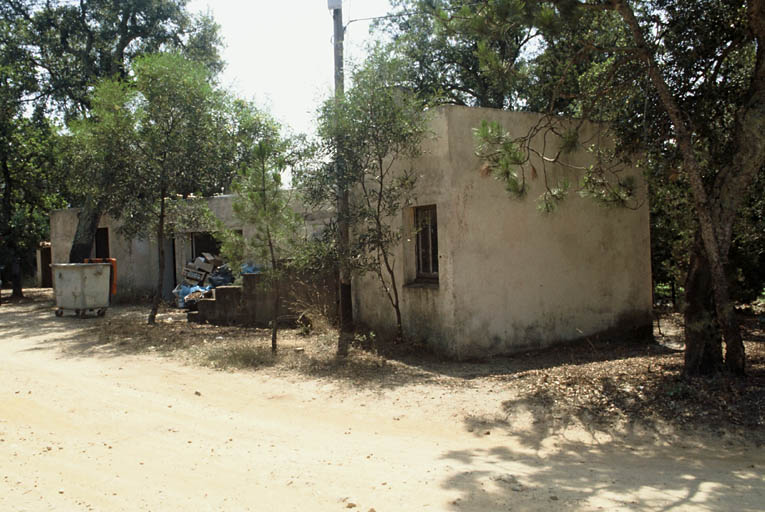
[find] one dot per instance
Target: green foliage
(178, 142)
(747, 257)
(597, 186)
(260, 202)
(155, 141)
(100, 149)
(373, 130)
(30, 181)
(455, 54)
(30, 184)
(371, 134)
(77, 44)
(502, 157)
(550, 198)
(53, 54)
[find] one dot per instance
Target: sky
(280, 53)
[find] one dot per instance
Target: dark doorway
(46, 272)
(102, 243)
(204, 242)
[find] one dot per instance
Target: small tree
(172, 131)
(373, 130)
(100, 154)
(261, 202)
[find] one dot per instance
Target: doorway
(102, 243)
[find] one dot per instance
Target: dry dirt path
(119, 432)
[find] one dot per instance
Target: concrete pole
(343, 235)
(337, 18)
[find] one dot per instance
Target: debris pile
(199, 278)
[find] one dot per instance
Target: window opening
(426, 224)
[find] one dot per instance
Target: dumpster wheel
(60, 312)
(101, 312)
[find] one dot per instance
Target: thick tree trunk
(161, 254)
(703, 344)
(735, 360)
(87, 224)
(711, 225)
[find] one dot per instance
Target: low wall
(252, 303)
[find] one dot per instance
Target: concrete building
(490, 274)
(487, 273)
(137, 265)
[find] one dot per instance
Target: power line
(413, 13)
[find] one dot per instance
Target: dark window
(102, 243)
(426, 224)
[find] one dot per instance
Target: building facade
(485, 273)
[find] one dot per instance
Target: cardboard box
(215, 260)
(193, 275)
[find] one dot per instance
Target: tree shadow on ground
(636, 474)
(34, 316)
(124, 331)
(589, 380)
(648, 394)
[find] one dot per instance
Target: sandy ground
(106, 431)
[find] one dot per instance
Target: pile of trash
(199, 278)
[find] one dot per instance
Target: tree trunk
(673, 290)
(735, 360)
(710, 226)
(703, 344)
(344, 286)
(393, 294)
(16, 278)
(399, 325)
(275, 318)
(275, 287)
(87, 224)
(161, 253)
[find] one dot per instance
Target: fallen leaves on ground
(595, 381)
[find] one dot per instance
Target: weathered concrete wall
(427, 310)
(137, 268)
(511, 277)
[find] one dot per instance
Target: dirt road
(119, 432)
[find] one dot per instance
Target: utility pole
(343, 231)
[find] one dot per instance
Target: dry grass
(237, 348)
(596, 382)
